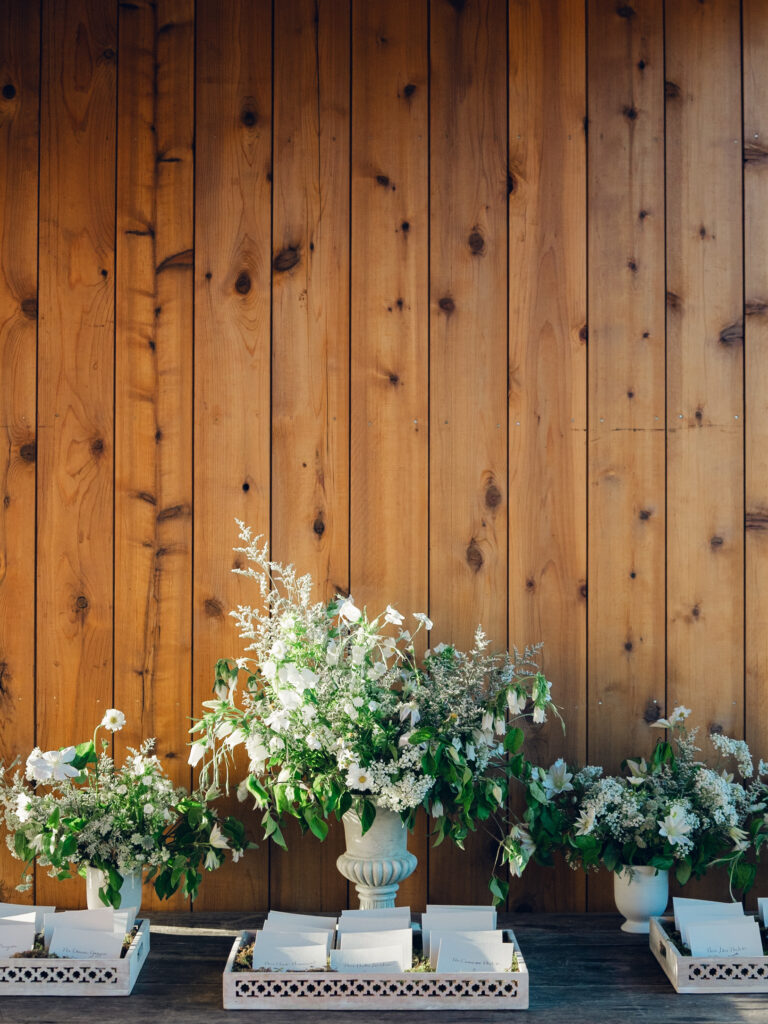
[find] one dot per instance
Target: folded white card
(464, 921)
(762, 910)
(725, 938)
(457, 956)
(712, 908)
(102, 919)
(85, 943)
(312, 922)
(378, 960)
(289, 958)
(287, 936)
(402, 938)
(484, 940)
(17, 937)
(447, 908)
(21, 912)
(382, 913)
(371, 924)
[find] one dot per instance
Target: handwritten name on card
(457, 956)
(16, 938)
(289, 958)
(725, 938)
(85, 944)
(397, 938)
(379, 960)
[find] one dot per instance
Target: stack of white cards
(293, 942)
(710, 928)
(464, 940)
(374, 942)
(79, 934)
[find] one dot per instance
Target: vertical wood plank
(389, 412)
(310, 354)
(232, 351)
(547, 380)
(468, 357)
(19, 125)
(75, 383)
(153, 370)
(756, 369)
(626, 387)
(704, 363)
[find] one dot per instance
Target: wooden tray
(331, 990)
(705, 974)
(39, 977)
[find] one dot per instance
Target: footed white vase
(640, 893)
(130, 890)
(379, 860)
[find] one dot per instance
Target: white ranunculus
(113, 720)
(257, 751)
(332, 654)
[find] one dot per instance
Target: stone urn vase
(130, 890)
(640, 893)
(379, 860)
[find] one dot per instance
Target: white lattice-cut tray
(705, 974)
(329, 990)
(42, 977)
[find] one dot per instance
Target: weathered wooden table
(583, 970)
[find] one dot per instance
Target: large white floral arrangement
(337, 713)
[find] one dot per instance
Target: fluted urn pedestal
(379, 860)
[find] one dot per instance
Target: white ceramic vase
(130, 890)
(379, 860)
(640, 893)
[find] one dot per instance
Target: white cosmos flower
(218, 839)
(358, 778)
(393, 616)
(557, 779)
(348, 611)
(196, 753)
(585, 821)
(423, 619)
(54, 765)
(679, 715)
(675, 826)
(113, 720)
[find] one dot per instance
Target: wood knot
(319, 526)
(673, 300)
(716, 542)
(645, 513)
(671, 90)
(715, 729)
(699, 415)
(9, 91)
(628, 645)
(632, 265)
(172, 512)
(243, 283)
(633, 575)
(158, 436)
(646, 334)
(583, 590)
(630, 394)
(104, 273)
(447, 304)
(583, 333)
(28, 451)
(29, 308)
(625, 11)
(457, 5)
(643, 214)
(108, 54)
(152, 345)
(695, 611)
(652, 712)
(476, 243)
(146, 496)
(641, 65)
(474, 556)
(97, 446)
(702, 232)
(492, 496)
(511, 183)
(249, 117)
(733, 334)
(630, 113)
(81, 603)
(393, 378)
(530, 584)
(383, 180)
(399, 303)
(208, 275)
(214, 609)
(286, 259)
(5, 678)
(246, 486)
(405, 226)
(409, 90)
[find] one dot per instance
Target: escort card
(369, 924)
(762, 910)
(490, 940)
(378, 960)
(690, 908)
(402, 938)
(383, 913)
(305, 921)
(725, 938)
(463, 921)
(447, 908)
(22, 912)
(457, 956)
(85, 943)
(278, 935)
(16, 938)
(101, 920)
(289, 958)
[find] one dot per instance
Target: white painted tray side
(317, 990)
(699, 974)
(33, 977)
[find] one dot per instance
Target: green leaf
(499, 890)
(85, 753)
(315, 822)
(513, 741)
(535, 790)
(256, 790)
(421, 735)
(683, 871)
(367, 815)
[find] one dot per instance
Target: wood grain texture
(19, 121)
(310, 353)
(389, 526)
(755, 37)
(705, 563)
(547, 379)
(233, 190)
(153, 365)
(75, 381)
(468, 357)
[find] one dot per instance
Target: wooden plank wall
(461, 303)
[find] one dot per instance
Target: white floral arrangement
(671, 811)
(337, 713)
(73, 808)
